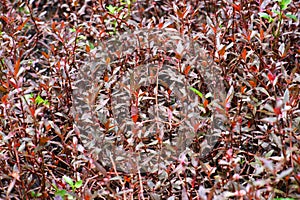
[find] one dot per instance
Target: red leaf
(237, 7)
(249, 123)
(134, 113)
(32, 111)
(160, 25)
(13, 84)
(48, 127)
(186, 70)
(44, 86)
(205, 103)
(4, 98)
(253, 68)
(277, 110)
(248, 37)
(271, 76)
(134, 118)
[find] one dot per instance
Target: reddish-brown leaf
(243, 88)
(4, 19)
(53, 26)
(45, 55)
(106, 125)
(107, 60)
(44, 140)
(17, 67)
(178, 56)
(62, 24)
(87, 48)
(214, 28)
(261, 34)
(244, 54)
(221, 52)
(22, 25)
(179, 14)
(127, 179)
(252, 83)
(253, 68)
(106, 77)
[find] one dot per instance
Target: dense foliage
(252, 47)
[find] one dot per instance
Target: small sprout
(70, 181)
(39, 100)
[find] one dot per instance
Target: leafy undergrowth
(46, 150)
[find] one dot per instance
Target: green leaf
(119, 9)
(72, 30)
(39, 100)
(266, 16)
(34, 194)
(291, 16)
(61, 193)
(78, 184)
(284, 4)
(28, 96)
(111, 9)
(55, 187)
(284, 199)
(276, 12)
(91, 45)
(196, 92)
(68, 180)
(82, 37)
(125, 2)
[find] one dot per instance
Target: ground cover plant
(49, 54)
